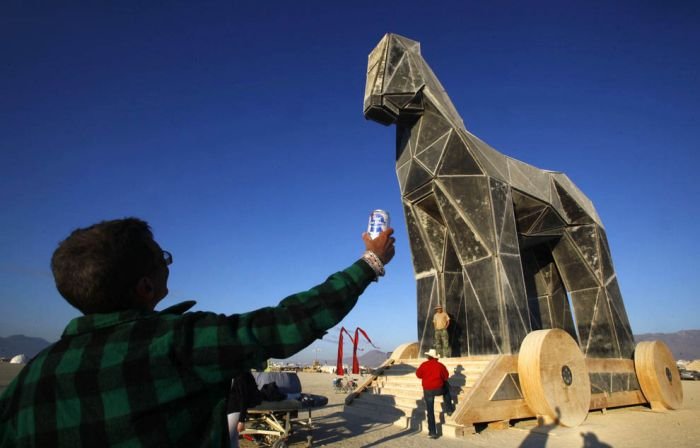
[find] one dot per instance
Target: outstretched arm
(242, 341)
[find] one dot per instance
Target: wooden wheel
(554, 377)
(658, 375)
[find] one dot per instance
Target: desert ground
(636, 426)
(7, 373)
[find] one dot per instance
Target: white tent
(19, 359)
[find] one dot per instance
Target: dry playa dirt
(635, 426)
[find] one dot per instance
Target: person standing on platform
(441, 341)
(434, 376)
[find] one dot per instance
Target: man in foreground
(124, 374)
(434, 376)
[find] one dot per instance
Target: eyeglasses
(167, 257)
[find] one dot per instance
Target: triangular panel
(575, 205)
(527, 211)
(601, 340)
(430, 157)
(549, 223)
(586, 240)
(394, 62)
(455, 307)
(429, 205)
(508, 389)
(504, 223)
(575, 273)
(574, 212)
(402, 175)
(432, 127)
(434, 235)
(421, 259)
(426, 298)
(529, 179)
(483, 308)
(377, 62)
(619, 316)
(584, 304)
(492, 162)
(500, 199)
(411, 46)
(451, 260)
(606, 264)
(470, 195)
(513, 290)
(468, 245)
(399, 100)
(404, 142)
(417, 176)
(457, 160)
(418, 194)
(554, 197)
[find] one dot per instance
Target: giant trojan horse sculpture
(501, 244)
(496, 240)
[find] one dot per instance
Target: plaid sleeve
(219, 345)
(7, 434)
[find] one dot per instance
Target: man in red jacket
(434, 376)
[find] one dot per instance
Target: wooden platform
(397, 394)
(486, 390)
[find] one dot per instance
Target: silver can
(378, 222)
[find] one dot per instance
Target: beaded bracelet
(374, 262)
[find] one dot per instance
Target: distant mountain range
(371, 359)
(20, 344)
(684, 344)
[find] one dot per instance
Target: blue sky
(236, 130)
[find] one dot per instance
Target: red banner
(355, 343)
(339, 366)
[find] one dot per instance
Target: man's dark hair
(97, 268)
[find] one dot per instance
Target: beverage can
(378, 222)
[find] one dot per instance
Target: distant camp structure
(19, 359)
(693, 365)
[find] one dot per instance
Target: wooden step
(405, 417)
(458, 368)
(402, 400)
(396, 395)
(408, 380)
(415, 391)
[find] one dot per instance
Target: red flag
(355, 343)
(339, 366)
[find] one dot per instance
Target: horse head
(399, 82)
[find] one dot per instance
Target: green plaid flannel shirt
(135, 378)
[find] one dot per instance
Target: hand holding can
(382, 246)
